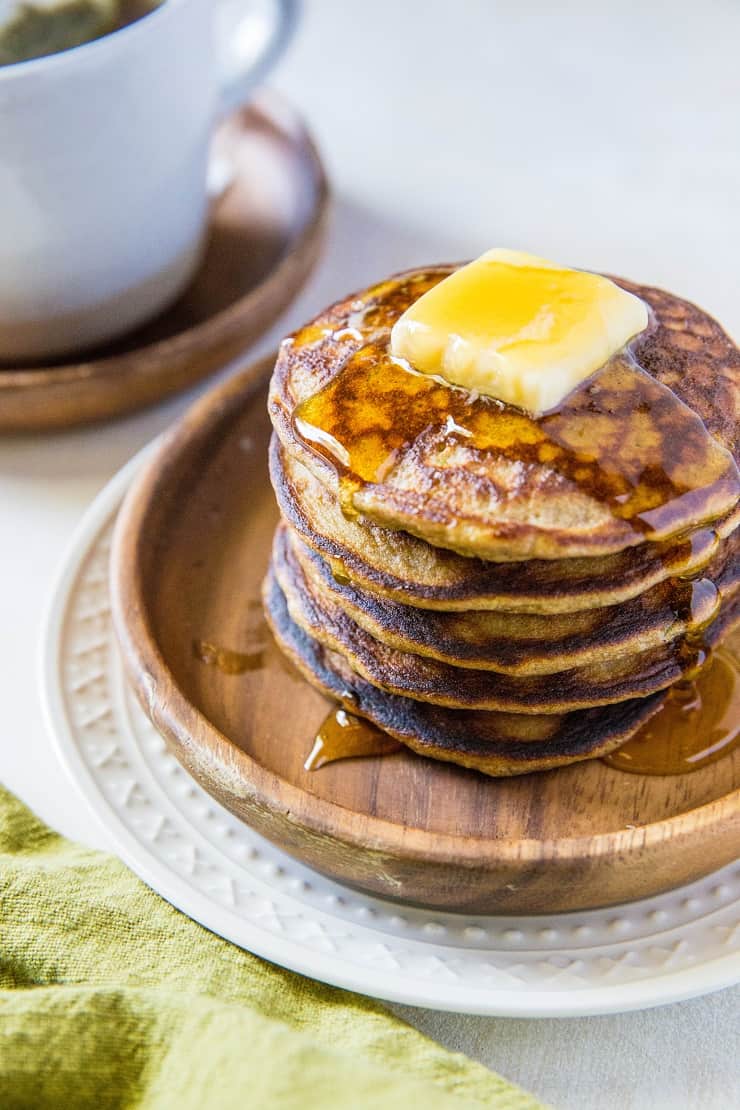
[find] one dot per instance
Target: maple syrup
(696, 551)
(238, 662)
(344, 736)
(622, 437)
(226, 660)
(697, 724)
(696, 602)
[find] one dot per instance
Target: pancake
(640, 451)
(522, 644)
(496, 744)
(413, 676)
(442, 555)
(400, 567)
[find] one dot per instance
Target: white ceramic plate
(215, 869)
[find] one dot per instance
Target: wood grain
(190, 550)
(265, 234)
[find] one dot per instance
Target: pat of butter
(518, 328)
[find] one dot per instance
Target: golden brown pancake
(414, 676)
(497, 744)
(400, 567)
(640, 451)
(518, 643)
(443, 556)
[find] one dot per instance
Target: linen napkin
(110, 997)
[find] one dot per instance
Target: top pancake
(642, 450)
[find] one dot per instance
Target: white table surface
(603, 135)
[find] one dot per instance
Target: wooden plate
(191, 547)
(266, 231)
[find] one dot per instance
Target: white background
(603, 135)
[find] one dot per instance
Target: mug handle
(250, 35)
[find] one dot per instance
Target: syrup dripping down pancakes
(500, 590)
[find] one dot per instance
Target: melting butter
(518, 328)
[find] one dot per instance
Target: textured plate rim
(652, 991)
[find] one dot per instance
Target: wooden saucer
(191, 547)
(266, 231)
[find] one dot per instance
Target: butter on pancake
(505, 589)
(518, 328)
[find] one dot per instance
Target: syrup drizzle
(622, 437)
(696, 602)
(226, 660)
(698, 723)
(344, 736)
(696, 552)
(229, 661)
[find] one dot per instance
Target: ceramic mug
(103, 168)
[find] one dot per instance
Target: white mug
(103, 168)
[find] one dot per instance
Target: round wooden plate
(190, 550)
(266, 230)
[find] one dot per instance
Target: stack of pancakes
(503, 592)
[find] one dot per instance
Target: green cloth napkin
(109, 997)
